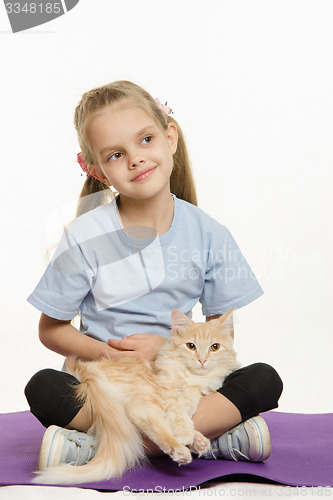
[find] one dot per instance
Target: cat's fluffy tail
(119, 444)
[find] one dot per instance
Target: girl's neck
(156, 212)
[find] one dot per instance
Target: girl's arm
(65, 339)
(208, 318)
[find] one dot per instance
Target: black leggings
(253, 389)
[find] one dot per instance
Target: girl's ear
(172, 135)
(96, 172)
(179, 321)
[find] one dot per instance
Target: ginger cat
(130, 398)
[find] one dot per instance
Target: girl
(125, 265)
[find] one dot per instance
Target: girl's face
(133, 154)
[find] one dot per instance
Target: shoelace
(85, 448)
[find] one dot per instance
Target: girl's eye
(190, 346)
(115, 156)
(147, 139)
(215, 347)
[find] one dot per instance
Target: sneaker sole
(50, 450)
(259, 437)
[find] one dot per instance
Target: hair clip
(164, 107)
(83, 165)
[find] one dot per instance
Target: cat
(128, 398)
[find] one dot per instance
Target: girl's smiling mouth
(143, 175)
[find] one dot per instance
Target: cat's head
(202, 347)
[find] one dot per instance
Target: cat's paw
(181, 455)
(200, 444)
(185, 436)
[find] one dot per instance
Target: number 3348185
(34, 8)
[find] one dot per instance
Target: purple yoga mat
(301, 456)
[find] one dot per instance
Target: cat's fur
(129, 398)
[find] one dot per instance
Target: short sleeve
(65, 283)
(229, 280)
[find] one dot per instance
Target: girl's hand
(138, 345)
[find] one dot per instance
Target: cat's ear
(179, 321)
(227, 321)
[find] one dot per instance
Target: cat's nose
(202, 362)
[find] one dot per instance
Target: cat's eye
(190, 346)
(215, 347)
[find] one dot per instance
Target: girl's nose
(136, 163)
(136, 159)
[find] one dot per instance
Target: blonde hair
(181, 180)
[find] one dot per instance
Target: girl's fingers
(123, 344)
(139, 336)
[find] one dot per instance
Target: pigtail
(93, 194)
(181, 181)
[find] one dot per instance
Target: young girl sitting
(124, 265)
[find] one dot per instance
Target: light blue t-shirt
(125, 284)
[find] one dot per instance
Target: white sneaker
(63, 446)
(249, 441)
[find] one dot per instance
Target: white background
(250, 82)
